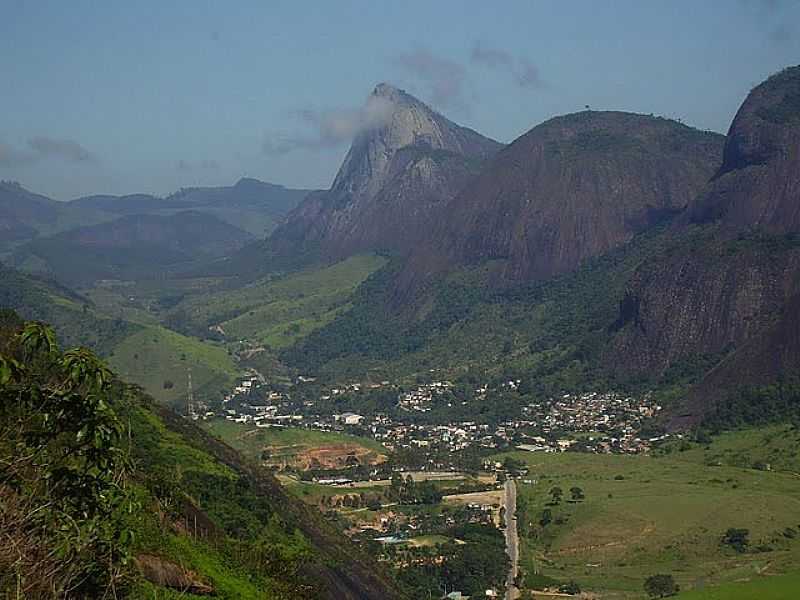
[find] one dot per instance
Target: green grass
(154, 355)
(161, 449)
(779, 587)
(279, 312)
(664, 516)
(777, 446)
(312, 493)
(250, 440)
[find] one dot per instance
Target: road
(512, 539)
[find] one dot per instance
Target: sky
(150, 96)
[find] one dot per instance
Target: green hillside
(278, 311)
(155, 357)
(550, 332)
(146, 354)
(774, 448)
(160, 509)
(778, 587)
(76, 321)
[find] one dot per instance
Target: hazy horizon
(116, 98)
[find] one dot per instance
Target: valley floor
(645, 515)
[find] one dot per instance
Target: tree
(556, 493)
(660, 586)
(571, 588)
(577, 494)
(737, 539)
(514, 467)
(63, 462)
(546, 518)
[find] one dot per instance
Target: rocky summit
(570, 189)
(730, 276)
(403, 166)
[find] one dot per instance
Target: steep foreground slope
(157, 504)
(733, 272)
(570, 189)
(400, 169)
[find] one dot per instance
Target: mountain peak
(405, 162)
(397, 120)
(387, 90)
(758, 184)
(396, 96)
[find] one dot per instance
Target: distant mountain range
(138, 235)
(605, 246)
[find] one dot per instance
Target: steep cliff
(404, 165)
(734, 266)
(570, 189)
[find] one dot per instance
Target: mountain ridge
(734, 267)
(571, 188)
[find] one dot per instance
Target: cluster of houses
(252, 381)
(612, 422)
(593, 421)
(422, 398)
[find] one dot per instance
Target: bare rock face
(397, 120)
(764, 359)
(572, 188)
(708, 297)
(758, 184)
(734, 267)
(404, 164)
(166, 573)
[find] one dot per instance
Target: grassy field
(778, 587)
(278, 312)
(776, 447)
(250, 440)
(643, 516)
(312, 493)
(155, 355)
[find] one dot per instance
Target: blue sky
(121, 97)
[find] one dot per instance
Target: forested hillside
(156, 503)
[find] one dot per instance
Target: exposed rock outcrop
(165, 573)
(572, 188)
(402, 167)
(734, 267)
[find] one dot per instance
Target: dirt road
(512, 540)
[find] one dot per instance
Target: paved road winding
(512, 540)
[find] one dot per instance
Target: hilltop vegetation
(160, 360)
(276, 311)
(162, 507)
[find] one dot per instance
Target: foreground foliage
(63, 491)
(105, 494)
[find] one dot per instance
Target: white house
(352, 418)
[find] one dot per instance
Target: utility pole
(190, 398)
